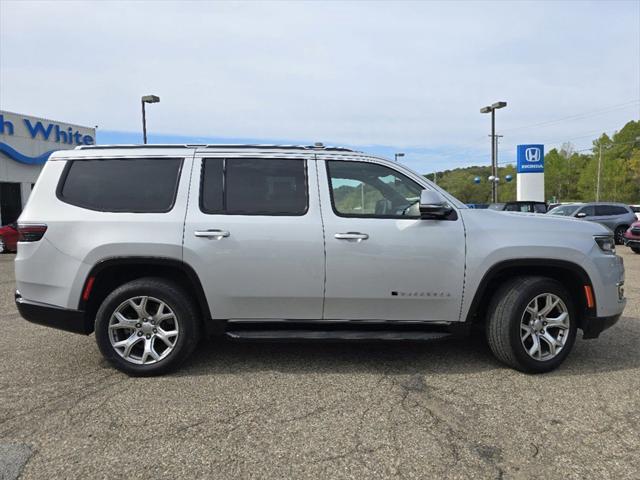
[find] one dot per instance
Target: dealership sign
(31, 140)
(530, 158)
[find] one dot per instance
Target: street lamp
(397, 155)
(147, 99)
(494, 161)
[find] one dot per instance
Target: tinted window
(122, 185)
(249, 186)
(212, 197)
(365, 189)
(603, 210)
(589, 211)
(565, 210)
(539, 208)
(516, 207)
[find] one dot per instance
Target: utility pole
(599, 170)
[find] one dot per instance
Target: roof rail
(108, 147)
(317, 146)
(278, 147)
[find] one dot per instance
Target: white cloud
(407, 74)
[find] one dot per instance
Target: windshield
(566, 210)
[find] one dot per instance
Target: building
(25, 145)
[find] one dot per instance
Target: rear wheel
(531, 325)
(619, 234)
(147, 326)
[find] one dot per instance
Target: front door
(253, 233)
(383, 261)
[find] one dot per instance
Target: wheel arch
(570, 274)
(110, 273)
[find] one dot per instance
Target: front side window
(565, 210)
(137, 185)
(589, 211)
(363, 189)
(251, 186)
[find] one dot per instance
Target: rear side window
(145, 185)
(603, 210)
(250, 186)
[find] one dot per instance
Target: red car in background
(9, 238)
(632, 237)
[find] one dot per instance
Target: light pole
(494, 163)
(397, 155)
(147, 99)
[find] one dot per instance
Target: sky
(381, 77)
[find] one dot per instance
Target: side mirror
(433, 206)
(581, 215)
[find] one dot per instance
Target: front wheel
(635, 249)
(531, 325)
(619, 234)
(147, 326)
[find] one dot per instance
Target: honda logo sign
(530, 158)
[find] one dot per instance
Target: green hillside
(569, 175)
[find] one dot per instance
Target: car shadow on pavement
(220, 356)
(616, 349)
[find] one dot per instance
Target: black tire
(176, 299)
(635, 250)
(505, 313)
(618, 234)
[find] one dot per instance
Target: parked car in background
(632, 237)
(8, 238)
(616, 216)
(635, 209)
(521, 206)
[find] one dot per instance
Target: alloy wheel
(143, 330)
(544, 327)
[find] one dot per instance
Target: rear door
(609, 215)
(253, 233)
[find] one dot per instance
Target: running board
(335, 335)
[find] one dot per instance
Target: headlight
(606, 244)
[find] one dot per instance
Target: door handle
(357, 236)
(218, 234)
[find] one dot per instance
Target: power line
(578, 116)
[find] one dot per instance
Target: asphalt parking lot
(445, 409)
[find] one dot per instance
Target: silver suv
(618, 217)
(154, 247)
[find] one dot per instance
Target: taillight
(31, 233)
